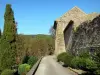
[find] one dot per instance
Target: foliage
(0, 33)
(23, 69)
(83, 63)
(13, 47)
(87, 62)
(65, 57)
(52, 32)
(21, 53)
(75, 62)
(8, 40)
(32, 60)
(60, 56)
(97, 72)
(37, 45)
(85, 55)
(7, 72)
(90, 64)
(26, 58)
(97, 59)
(9, 26)
(40, 45)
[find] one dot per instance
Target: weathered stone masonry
(63, 27)
(87, 37)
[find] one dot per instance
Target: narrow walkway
(49, 66)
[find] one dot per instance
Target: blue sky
(37, 16)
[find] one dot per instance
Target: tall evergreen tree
(8, 40)
(0, 33)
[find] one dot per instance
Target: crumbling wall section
(86, 36)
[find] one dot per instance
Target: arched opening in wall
(68, 34)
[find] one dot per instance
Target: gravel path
(49, 66)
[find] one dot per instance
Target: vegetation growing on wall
(87, 36)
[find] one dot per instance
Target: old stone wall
(75, 14)
(86, 36)
(63, 40)
(59, 39)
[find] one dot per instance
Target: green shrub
(7, 72)
(83, 63)
(77, 62)
(65, 57)
(23, 69)
(97, 72)
(60, 56)
(85, 55)
(32, 60)
(25, 60)
(90, 64)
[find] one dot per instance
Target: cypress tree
(8, 40)
(0, 33)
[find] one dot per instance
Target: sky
(37, 16)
